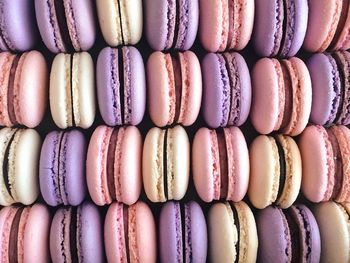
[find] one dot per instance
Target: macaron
(121, 21)
(19, 160)
(281, 96)
(227, 89)
(171, 24)
(121, 86)
(326, 164)
(166, 163)
(275, 171)
(280, 27)
(333, 220)
(174, 88)
(220, 164)
(328, 26)
(113, 165)
(25, 233)
(62, 168)
(225, 24)
(18, 29)
(232, 233)
(130, 233)
(76, 234)
(67, 25)
(24, 81)
(331, 88)
(289, 235)
(72, 90)
(182, 233)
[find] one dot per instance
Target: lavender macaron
(62, 168)
(227, 89)
(121, 86)
(182, 233)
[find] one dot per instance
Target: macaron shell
(343, 42)
(7, 215)
(6, 60)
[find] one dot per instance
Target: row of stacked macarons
(277, 28)
(230, 232)
(116, 163)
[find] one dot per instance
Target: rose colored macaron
(281, 97)
(226, 89)
(121, 86)
(226, 24)
(275, 171)
(66, 25)
(130, 233)
(23, 88)
(220, 164)
(232, 233)
(326, 164)
(166, 163)
(113, 165)
(174, 88)
(182, 233)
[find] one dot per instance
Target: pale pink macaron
(174, 88)
(130, 233)
(220, 164)
(113, 165)
(23, 88)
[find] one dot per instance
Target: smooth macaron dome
(18, 29)
(66, 25)
(279, 27)
(23, 88)
(333, 220)
(275, 171)
(171, 24)
(76, 234)
(226, 24)
(19, 159)
(130, 233)
(114, 165)
(121, 86)
(288, 235)
(25, 233)
(62, 168)
(166, 163)
(174, 88)
(121, 21)
(220, 164)
(281, 96)
(182, 233)
(72, 90)
(328, 26)
(325, 163)
(226, 89)
(232, 233)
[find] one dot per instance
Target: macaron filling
(110, 163)
(6, 164)
(73, 231)
(223, 163)
(126, 231)
(177, 71)
(279, 28)
(60, 179)
(288, 27)
(184, 233)
(238, 227)
(165, 164)
(121, 85)
(120, 20)
(13, 238)
(288, 96)
(11, 91)
(282, 164)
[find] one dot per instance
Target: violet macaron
(226, 89)
(171, 23)
(290, 235)
(62, 168)
(121, 86)
(182, 233)
(76, 235)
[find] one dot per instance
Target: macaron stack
(175, 131)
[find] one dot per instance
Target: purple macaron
(66, 25)
(290, 235)
(171, 23)
(279, 27)
(182, 233)
(121, 86)
(76, 235)
(18, 29)
(227, 89)
(62, 168)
